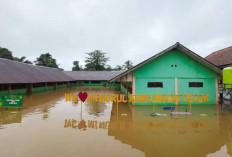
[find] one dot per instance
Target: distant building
(92, 78)
(221, 58)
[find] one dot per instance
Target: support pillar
(9, 89)
(216, 92)
(176, 89)
(55, 85)
(46, 86)
(29, 88)
(133, 88)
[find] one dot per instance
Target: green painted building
(174, 71)
(20, 78)
(93, 78)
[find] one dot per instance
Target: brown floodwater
(49, 126)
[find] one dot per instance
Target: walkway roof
(92, 75)
(16, 72)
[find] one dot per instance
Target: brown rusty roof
(16, 72)
(92, 75)
(221, 57)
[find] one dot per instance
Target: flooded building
(93, 78)
(174, 71)
(21, 78)
(221, 58)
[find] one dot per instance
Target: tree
(127, 65)
(108, 68)
(118, 68)
(5, 53)
(46, 60)
(96, 61)
(76, 66)
(22, 59)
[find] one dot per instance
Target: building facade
(174, 71)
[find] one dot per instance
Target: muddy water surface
(49, 126)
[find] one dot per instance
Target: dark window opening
(195, 84)
(38, 85)
(96, 82)
(3, 87)
(175, 65)
(18, 86)
(50, 84)
(155, 84)
(172, 65)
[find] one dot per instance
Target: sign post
(13, 101)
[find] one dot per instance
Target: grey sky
(125, 29)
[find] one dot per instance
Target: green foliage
(46, 60)
(108, 68)
(96, 61)
(118, 68)
(127, 65)
(5, 53)
(22, 59)
(76, 66)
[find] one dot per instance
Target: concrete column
(133, 87)
(68, 84)
(29, 88)
(216, 92)
(45, 86)
(55, 85)
(9, 88)
(176, 89)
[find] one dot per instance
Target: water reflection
(111, 129)
(181, 135)
(10, 117)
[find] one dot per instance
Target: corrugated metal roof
(180, 48)
(221, 57)
(16, 72)
(92, 75)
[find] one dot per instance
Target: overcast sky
(124, 29)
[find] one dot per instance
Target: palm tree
(127, 65)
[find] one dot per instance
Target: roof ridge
(27, 63)
(218, 51)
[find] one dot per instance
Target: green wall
(38, 89)
(62, 86)
(92, 84)
(2, 93)
(50, 87)
(113, 84)
(18, 91)
(187, 70)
